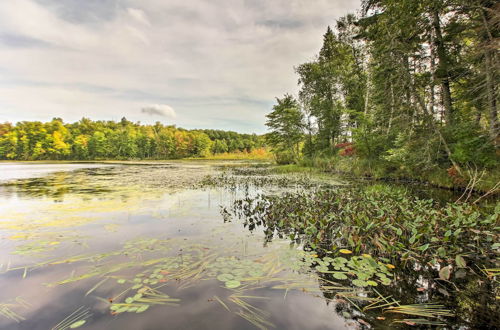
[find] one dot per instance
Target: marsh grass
(7, 309)
(75, 320)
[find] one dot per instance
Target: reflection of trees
(58, 184)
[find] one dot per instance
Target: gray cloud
(222, 62)
(161, 110)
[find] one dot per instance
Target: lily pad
(122, 309)
(340, 276)
(256, 273)
(77, 324)
(360, 283)
(225, 277)
(232, 284)
(141, 309)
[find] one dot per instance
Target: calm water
(71, 234)
(146, 247)
(10, 171)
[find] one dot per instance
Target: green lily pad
(340, 276)
(256, 273)
(322, 268)
(141, 309)
(232, 284)
(121, 281)
(122, 309)
(225, 277)
(239, 271)
(360, 283)
(77, 324)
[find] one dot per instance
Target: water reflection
(11, 171)
(85, 250)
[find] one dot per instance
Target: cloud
(161, 110)
(139, 16)
(222, 61)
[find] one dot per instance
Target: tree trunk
(442, 70)
(490, 70)
(392, 108)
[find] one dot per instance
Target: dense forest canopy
(404, 86)
(88, 140)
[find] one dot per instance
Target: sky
(193, 63)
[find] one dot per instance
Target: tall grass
(261, 154)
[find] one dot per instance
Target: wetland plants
(386, 224)
(449, 252)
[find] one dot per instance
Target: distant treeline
(89, 140)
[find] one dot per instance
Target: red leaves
(349, 151)
(455, 175)
(346, 149)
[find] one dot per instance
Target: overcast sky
(193, 63)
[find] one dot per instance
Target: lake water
(75, 223)
(97, 246)
(10, 171)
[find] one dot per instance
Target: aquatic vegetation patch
(365, 269)
(233, 271)
(141, 301)
(393, 226)
(231, 180)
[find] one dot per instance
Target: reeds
(76, 319)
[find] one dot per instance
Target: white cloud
(220, 63)
(139, 16)
(161, 110)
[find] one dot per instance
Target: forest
(93, 140)
(403, 88)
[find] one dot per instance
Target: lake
(161, 245)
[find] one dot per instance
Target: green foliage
(470, 145)
(412, 84)
(87, 140)
(286, 124)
